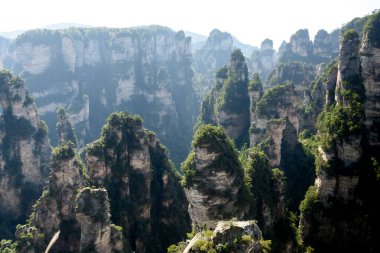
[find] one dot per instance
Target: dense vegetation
(233, 97)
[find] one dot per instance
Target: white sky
(251, 21)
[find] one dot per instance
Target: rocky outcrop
(301, 49)
(326, 44)
(80, 215)
(300, 74)
(54, 211)
(267, 187)
(228, 236)
(278, 106)
(228, 104)
(65, 131)
(146, 197)
(214, 179)
(24, 153)
(300, 43)
(255, 92)
(207, 60)
(370, 66)
(262, 61)
(92, 72)
(346, 158)
(93, 215)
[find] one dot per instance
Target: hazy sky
(250, 21)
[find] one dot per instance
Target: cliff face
(93, 72)
(24, 153)
(262, 61)
(228, 104)
(325, 44)
(93, 215)
(81, 215)
(267, 187)
(370, 66)
(346, 159)
(146, 197)
(301, 49)
(212, 56)
(279, 116)
(65, 131)
(214, 179)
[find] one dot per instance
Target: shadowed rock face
(146, 197)
(93, 72)
(93, 215)
(370, 66)
(65, 131)
(345, 176)
(24, 153)
(214, 176)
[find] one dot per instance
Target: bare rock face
(24, 153)
(300, 43)
(278, 106)
(300, 49)
(214, 179)
(228, 231)
(326, 44)
(92, 72)
(370, 65)
(146, 197)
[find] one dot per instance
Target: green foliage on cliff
(255, 84)
(214, 138)
(372, 28)
(350, 34)
(154, 187)
(270, 101)
(188, 168)
(257, 172)
(311, 198)
(64, 151)
(64, 127)
(7, 246)
(233, 97)
(339, 121)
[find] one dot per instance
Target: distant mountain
(195, 37)
(198, 41)
(245, 48)
(60, 26)
(13, 34)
